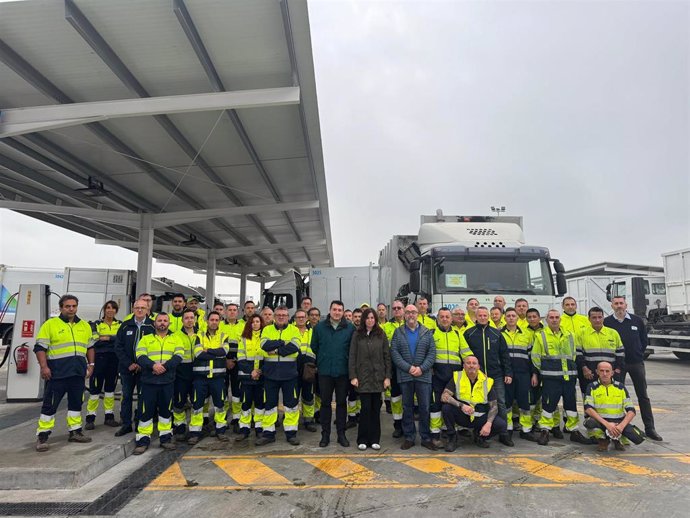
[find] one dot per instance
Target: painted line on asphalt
(628, 467)
(348, 471)
(450, 472)
(248, 472)
(549, 471)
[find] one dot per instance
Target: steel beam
(145, 254)
(210, 279)
(17, 121)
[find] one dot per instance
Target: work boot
(389, 409)
(235, 426)
(603, 444)
(528, 436)
(194, 439)
(263, 440)
(222, 437)
(481, 442)
(242, 437)
(111, 421)
(505, 438)
(293, 440)
(342, 440)
(180, 433)
(618, 446)
(351, 423)
(651, 433)
(543, 439)
(325, 440)
(169, 445)
(140, 449)
(77, 436)
(576, 436)
(406, 445)
(438, 443)
(310, 426)
(90, 422)
(557, 433)
(42, 442)
(429, 445)
(397, 432)
(451, 443)
(124, 430)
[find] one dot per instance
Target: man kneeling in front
(469, 400)
(610, 411)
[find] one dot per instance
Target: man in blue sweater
(633, 333)
(413, 352)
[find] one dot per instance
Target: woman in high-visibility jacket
(104, 377)
(249, 360)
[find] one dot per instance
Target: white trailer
(597, 290)
(589, 292)
(353, 285)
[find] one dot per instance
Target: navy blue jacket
(633, 334)
(126, 341)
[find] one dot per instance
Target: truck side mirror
(608, 292)
(415, 276)
(558, 267)
(639, 299)
(561, 284)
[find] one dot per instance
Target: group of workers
(480, 372)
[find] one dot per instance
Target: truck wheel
(682, 356)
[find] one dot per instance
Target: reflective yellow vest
(476, 396)
(65, 345)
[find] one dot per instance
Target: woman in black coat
(370, 373)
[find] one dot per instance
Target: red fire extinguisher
(21, 358)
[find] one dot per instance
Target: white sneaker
(375, 446)
(362, 447)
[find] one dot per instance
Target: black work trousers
(639, 379)
(328, 385)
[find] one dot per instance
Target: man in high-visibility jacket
(396, 395)
(450, 349)
(209, 379)
(470, 400)
(521, 306)
(554, 354)
(459, 322)
(610, 411)
(158, 355)
(64, 350)
(280, 343)
(471, 313)
(597, 343)
(233, 328)
(424, 318)
(519, 344)
(193, 304)
(183, 391)
(175, 315)
(305, 389)
(571, 320)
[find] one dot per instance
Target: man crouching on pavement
(610, 411)
(470, 400)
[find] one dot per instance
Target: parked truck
(352, 285)
(454, 258)
(596, 291)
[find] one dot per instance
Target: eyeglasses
(397, 307)
(140, 309)
(411, 312)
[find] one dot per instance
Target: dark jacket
(633, 334)
(370, 361)
(332, 346)
(126, 341)
(425, 354)
(490, 348)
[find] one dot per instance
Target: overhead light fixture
(189, 242)
(95, 189)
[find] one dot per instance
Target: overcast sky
(571, 114)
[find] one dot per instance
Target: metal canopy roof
(200, 114)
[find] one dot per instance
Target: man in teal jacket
(330, 343)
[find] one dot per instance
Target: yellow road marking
(365, 455)
(347, 471)
(248, 472)
(549, 472)
(170, 477)
(627, 467)
(446, 470)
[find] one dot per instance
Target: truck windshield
(493, 275)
